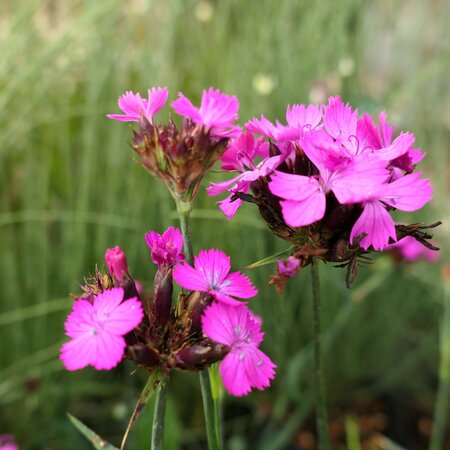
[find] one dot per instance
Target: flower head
(217, 112)
(96, 330)
(135, 107)
(211, 274)
(166, 249)
(245, 366)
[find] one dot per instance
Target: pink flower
(166, 249)
(135, 107)
(245, 366)
(117, 262)
(242, 183)
(408, 193)
(290, 267)
(217, 112)
(97, 329)
(351, 181)
(7, 442)
(412, 250)
(211, 274)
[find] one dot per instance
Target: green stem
(321, 406)
(211, 421)
(159, 417)
(443, 393)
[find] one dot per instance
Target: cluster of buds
(207, 324)
(326, 182)
(180, 156)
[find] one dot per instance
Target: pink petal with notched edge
(217, 112)
(301, 116)
(408, 193)
(106, 302)
(238, 285)
(358, 179)
(157, 97)
(125, 317)
(401, 145)
(339, 120)
(189, 278)
(214, 265)
(305, 212)
(78, 353)
(377, 224)
(234, 376)
(80, 319)
(293, 187)
(262, 126)
(228, 207)
(109, 351)
(184, 107)
(219, 188)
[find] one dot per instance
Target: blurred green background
(69, 189)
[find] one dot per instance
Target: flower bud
(197, 357)
(117, 262)
(162, 300)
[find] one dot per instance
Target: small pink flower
(135, 107)
(7, 442)
(245, 366)
(211, 274)
(290, 267)
(166, 249)
(408, 193)
(117, 262)
(97, 329)
(217, 112)
(412, 250)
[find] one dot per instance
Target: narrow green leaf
(271, 259)
(153, 381)
(96, 441)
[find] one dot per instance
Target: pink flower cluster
(217, 112)
(98, 324)
(347, 158)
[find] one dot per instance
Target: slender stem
(321, 407)
(443, 393)
(211, 421)
(159, 417)
(184, 214)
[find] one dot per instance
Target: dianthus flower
(334, 184)
(166, 249)
(135, 107)
(97, 328)
(217, 112)
(211, 273)
(245, 366)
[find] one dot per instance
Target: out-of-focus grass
(68, 190)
